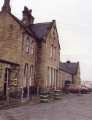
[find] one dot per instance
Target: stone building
(18, 53)
(29, 54)
(69, 73)
(48, 54)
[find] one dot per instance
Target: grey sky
(74, 22)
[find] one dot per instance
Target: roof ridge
(42, 23)
(69, 67)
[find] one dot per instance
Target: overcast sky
(74, 23)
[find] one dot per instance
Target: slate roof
(40, 30)
(69, 67)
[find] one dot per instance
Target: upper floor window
(27, 47)
(51, 51)
(55, 53)
(31, 47)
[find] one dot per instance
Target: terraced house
(29, 54)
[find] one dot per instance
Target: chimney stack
(27, 16)
(6, 6)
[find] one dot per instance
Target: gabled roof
(40, 30)
(69, 67)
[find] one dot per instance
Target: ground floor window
(31, 75)
(28, 81)
(49, 77)
(52, 77)
(25, 75)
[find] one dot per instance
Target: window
(51, 51)
(11, 27)
(27, 47)
(55, 55)
(25, 75)
(31, 74)
(31, 48)
(48, 74)
(49, 77)
(55, 78)
(26, 69)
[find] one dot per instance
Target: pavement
(70, 107)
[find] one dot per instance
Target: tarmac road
(71, 107)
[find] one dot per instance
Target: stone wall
(63, 76)
(76, 77)
(13, 48)
(48, 59)
(10, 38)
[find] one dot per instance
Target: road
(71, 107)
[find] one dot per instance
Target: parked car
(89, 88)
(76, 89)
(84, 90)
(72, 89)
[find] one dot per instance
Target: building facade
(17, 55)
(48, 54)
(29, 56)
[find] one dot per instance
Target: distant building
(69, 73)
